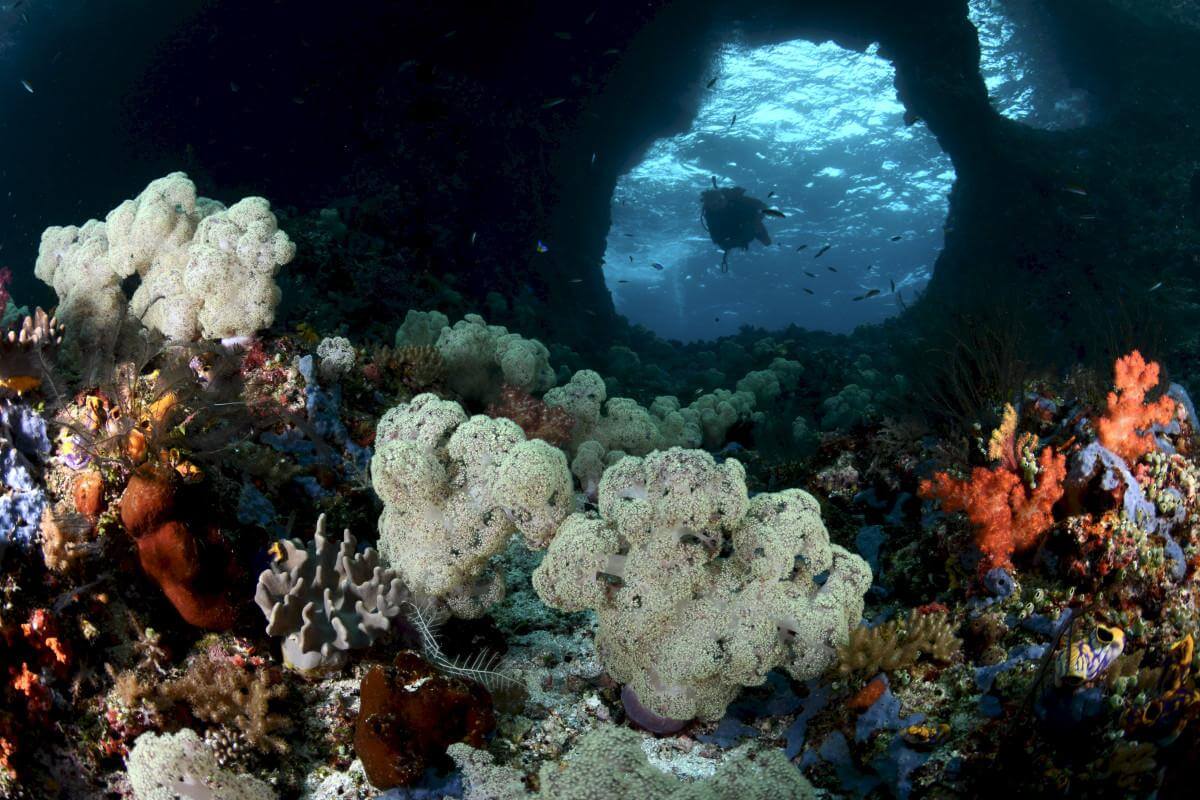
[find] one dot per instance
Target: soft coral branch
(1008, 516)
(1124, 428)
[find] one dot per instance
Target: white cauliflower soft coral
(206, 271)
(455, 490)
(480, 358)
(698, 589)
(171, 766)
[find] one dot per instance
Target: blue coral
(24, 447)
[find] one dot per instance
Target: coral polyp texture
(699, 589)
(172, 766)
(205, 270)
(1126, 427)
(1011, 513)
(325, 598)
(455, 490)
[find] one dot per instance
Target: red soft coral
(1124, 427)
(539, 421)
(1009, 518)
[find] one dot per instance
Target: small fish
(575, 280)
(714, 179)
(631, 259)
(541, 247)
(871, 293)
(589, 312)
(870, 267)
(832, 269)
(927, 735)
(893, 283)
(612, 52)
(233, 87)
(1155, 286)
(589, 19)
(897, 238)
(656, 265)
(717, 319)
(822, 251)
(473, 235)
(733, 120)
(860, 297)
(28, 86)
(711, 84)
(563, 35)
(1079, 190)
(630, 235)
(298, 101)
(809, 291)
(1089, 216)
(770, 194)
(593, 160)
(773, 212)
(809, 274)
(801, 247)
(552, 103)
(622, 280)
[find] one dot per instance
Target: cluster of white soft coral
(206, 271)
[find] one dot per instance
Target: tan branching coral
(898, 644)
(220, 692)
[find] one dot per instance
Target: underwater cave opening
(815, 131)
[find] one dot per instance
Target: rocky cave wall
(454, 142)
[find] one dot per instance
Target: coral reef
(608, 762)
(174, 765)
(454, 491)
(537, 419)
(894, 644)
(408, 716)
(1125, 426)
(684, 621)
(205, 270)
(1011, 514)
(217, 690)
(194, 570)
(325, 598)
(23, 448)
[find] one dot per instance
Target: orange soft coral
(1124, 427)
(1009, 517)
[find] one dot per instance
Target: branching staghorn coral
(897, 644)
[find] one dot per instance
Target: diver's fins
(761, 234)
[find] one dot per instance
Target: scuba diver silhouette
(734, 219)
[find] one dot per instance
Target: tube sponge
(700, 590)
(455, 490)
(206, 271)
